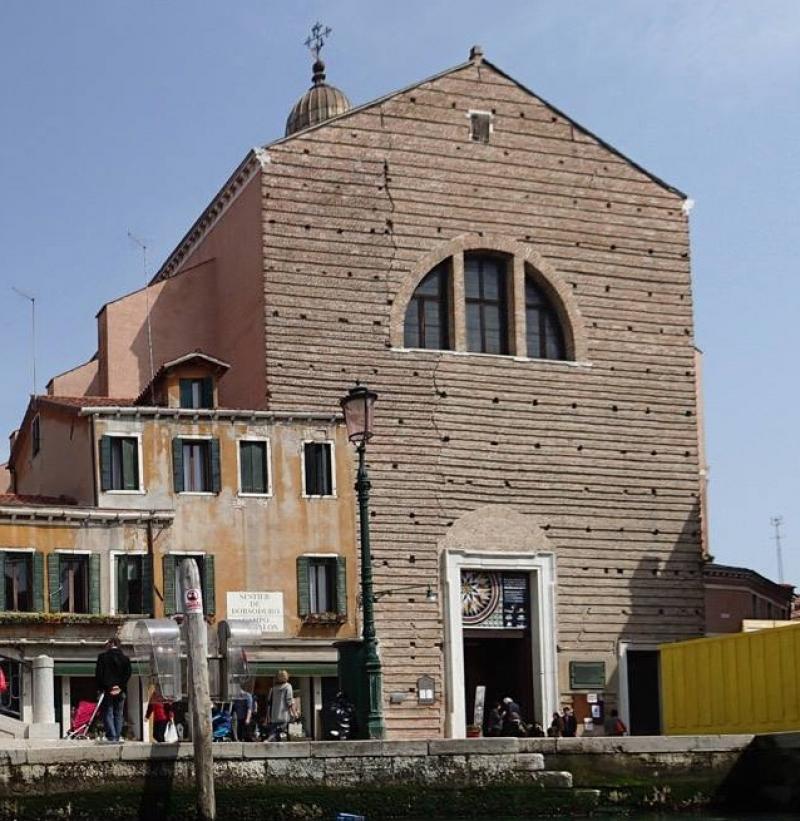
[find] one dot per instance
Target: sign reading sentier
(265, 608)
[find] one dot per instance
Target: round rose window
(480, 594)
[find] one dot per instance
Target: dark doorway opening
(502, 664)
(644, 692)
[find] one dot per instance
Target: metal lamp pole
(358, 412)
(372, 661)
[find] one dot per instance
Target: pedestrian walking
(243, 710)
(280, 707)
(112, 673)
(614, 725)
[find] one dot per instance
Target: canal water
(604, 815)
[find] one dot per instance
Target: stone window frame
(524, 261)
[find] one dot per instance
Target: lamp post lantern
(358, 408)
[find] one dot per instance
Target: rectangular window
(74, 584)
(197, 393)
(130, 584)
(18, 581)
(480, 126)
(254, 467)
(318, 469)
(36, 436)
(322, 585)
(119, 463)
(196, 466)
(486, 300)
(173, 591)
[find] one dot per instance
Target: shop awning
(269, 668)
(86, 668)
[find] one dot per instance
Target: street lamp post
(358, 408)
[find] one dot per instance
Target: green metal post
(372, 662)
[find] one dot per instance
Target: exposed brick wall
(605, 454)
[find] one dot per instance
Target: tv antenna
(143, 245)
(777, 523)
(32, 300)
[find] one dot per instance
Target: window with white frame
(132, 580)
(318, 469)
(254, 477)
(196, 465)
(119, 463)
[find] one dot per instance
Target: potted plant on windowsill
(324, 618)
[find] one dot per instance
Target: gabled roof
(217, 365)
(257, 159)
(79, 402)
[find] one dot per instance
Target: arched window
(544, 337)
(486, 297)
(428, 314)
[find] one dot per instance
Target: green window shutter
(130, 467)
(94, 583)
(207, 392)
(54, 581)
(168, 564)
(2, 580)
(209, 593)
(38, 582)
(341, 585)
(147, 585)
(303, 592)
(177, 464)
(216, 482)
(246, 467)
(186, 393)
(105, 463)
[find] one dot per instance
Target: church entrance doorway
(501, 636)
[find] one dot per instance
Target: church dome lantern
(322, 101)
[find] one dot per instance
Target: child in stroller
(82, 718)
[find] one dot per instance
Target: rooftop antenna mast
(32, 300)
(143, 246)
(777, 523)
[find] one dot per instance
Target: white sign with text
(265, 608)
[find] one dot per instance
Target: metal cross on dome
(317, 39)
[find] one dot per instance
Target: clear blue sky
(122, 115)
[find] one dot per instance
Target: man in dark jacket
(111, 673)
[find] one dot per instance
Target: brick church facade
(518, 293)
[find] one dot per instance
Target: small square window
(480, 126)
(318, 469)
(197, 393)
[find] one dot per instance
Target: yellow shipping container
(739, 683)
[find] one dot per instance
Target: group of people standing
(113, 671)
(505, 719)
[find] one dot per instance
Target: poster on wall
(264, 607)
(495, 600)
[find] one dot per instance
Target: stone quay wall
(380, 779)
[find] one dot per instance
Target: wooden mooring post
(199, 690)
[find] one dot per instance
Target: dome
(319, 103)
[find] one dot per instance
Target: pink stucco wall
(80, 381)
(63, 465)
(214, 303)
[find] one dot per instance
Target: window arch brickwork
(523, 263)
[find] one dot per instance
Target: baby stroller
(222, 725)
(82, 720)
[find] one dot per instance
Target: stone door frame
(542, 569)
